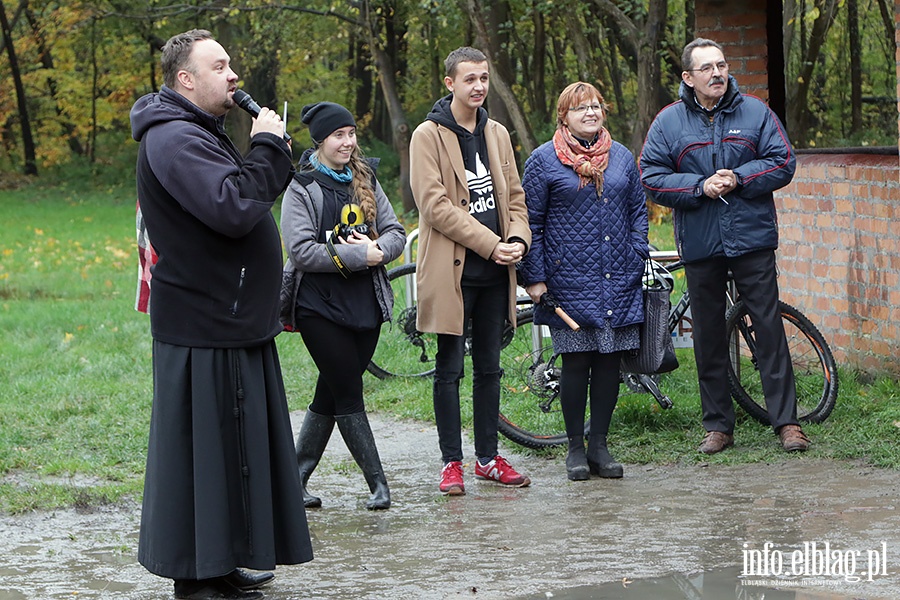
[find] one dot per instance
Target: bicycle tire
(530, 413)
(403, 350)
(815, 373)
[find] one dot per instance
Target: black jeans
(487, 308)
(341, 355)
(755, 277)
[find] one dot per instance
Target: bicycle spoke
(402, 350)
(529, 390)
(815, 374)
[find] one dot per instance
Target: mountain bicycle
(530, 413)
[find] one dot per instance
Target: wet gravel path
(500, 543)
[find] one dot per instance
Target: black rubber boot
(599, 459)
(576, 461)
(314, 435)
(358, 436)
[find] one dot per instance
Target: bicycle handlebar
(665, 255)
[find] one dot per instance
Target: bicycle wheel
(403, 351)
(815, 373)
(530, 413)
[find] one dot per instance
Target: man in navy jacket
(715, 156)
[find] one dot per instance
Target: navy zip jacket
(687, 144)
(588, 249)
(208, 213)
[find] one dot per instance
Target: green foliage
(69, 100)
(829, 101)
(388, 167)
(84, 64)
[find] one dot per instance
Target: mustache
(716, 79)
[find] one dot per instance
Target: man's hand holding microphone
(265, 120)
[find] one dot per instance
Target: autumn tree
(24, 120)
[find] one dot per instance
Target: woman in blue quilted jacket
(588, 217)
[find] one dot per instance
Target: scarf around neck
(345, 176)
(589, 163)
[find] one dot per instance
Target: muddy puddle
(686, 532)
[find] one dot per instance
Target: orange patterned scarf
(588, 163)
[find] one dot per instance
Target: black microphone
(245, 101)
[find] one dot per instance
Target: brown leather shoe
(716, 441)
(793, 439)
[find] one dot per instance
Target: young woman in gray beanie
(339, 231)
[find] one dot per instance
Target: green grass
(75, 366)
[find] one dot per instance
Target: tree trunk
(503, 88)
(30, 167)
(855, 67)
(582, 48)
(539, 62)
(641, 43)
(654, 32)
(615, 74)
(359, 72)
(798, 95)
(435, 60)
(400, 125)
(95, 77)
(498, 22)
(689, 21)
(887, 18)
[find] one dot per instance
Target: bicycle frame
(533, 371)
(671, 260)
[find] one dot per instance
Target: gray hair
(687, 60)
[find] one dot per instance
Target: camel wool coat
(446, 229)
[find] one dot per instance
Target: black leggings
(602, 370)
(341, 355)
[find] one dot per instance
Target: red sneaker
(501, 471)
(452, 479)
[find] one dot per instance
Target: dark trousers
(602, 371)
(755, 278)
(487, 309)
(341, 355)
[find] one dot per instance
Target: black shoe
(599, 460)
(209, 589)
(245, 580)
(576, 461)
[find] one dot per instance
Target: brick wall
(839, 257)
(741, 29)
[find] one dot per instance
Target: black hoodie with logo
(482, 204)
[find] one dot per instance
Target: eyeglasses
(707, 69)
(584, 107)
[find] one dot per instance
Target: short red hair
(575, 94)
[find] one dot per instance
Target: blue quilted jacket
(589, 250)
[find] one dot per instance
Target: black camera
(345, 231)
(352, 220)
